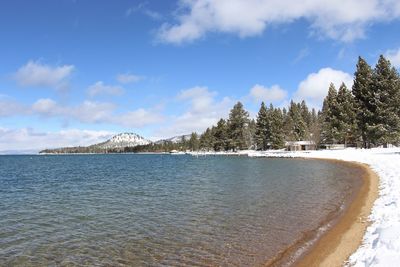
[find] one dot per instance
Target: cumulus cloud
(202, 111)
(344, 20)
(271, 94)
(394, 57)
(30, 140)
(315, 87)
(99, 88)
(98, 112)
(128, 78)
(35, 73)
(85, 112)
(45, 106)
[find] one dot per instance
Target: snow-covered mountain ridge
(175, 139)
(124, 140)
(117, 143)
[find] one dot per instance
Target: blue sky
(74, 72)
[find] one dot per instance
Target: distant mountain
(124, 140)
(175, 139)
(116, 144)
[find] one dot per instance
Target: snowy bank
(381, 242)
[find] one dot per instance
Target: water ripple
(158, 210)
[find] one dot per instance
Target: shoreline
(342, 232)
(379, 241)
(349, 231)
(335, 246)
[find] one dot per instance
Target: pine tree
(251, 134)
(194, 142)
(385, 126)
(263, 128)
(298, 128)
(237, 125)
(315, 128)
(207, 140)
(221, 136)
(277, 137)
(305, 114)
(347, 126)
(363, 96)
(330, 133)
(287, 125)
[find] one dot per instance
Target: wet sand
(336, 244)
(339, 242)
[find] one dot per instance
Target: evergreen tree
(263, 133)
(385, 125)
(305, 114)
(194, 143)
(183, 144)
(330, 133)
(297, 126)
(237, 125)
(363, 96)
(251, 134)
(347, 126)
(315, 127)
(206, 140)
(221, 136)
(277, 137)
(287, 125)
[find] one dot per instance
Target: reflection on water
(158, 210)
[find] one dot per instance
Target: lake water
(162, 210)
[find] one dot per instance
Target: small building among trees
(300, 145)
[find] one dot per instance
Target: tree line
(367, 115)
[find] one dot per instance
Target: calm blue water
(161, 210)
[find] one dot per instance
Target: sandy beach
(342, 240)
(369, 232)
(380, 245)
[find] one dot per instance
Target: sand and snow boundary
(381, 241)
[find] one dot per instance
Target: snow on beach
(381, 242)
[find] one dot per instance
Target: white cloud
(128, 78)
(27, 139)
(200, 98)
(315, 87)
(99, 88)
(394, 57)
(85, 112)
(143, 8)
(10, 107)
(91, 112)
(138, 118)
(344, 20)
(202, 111)
(34, 73)
(272, 94)
(45, 106)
